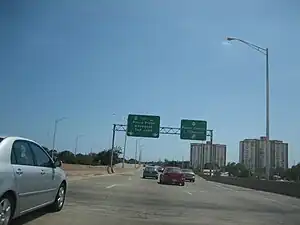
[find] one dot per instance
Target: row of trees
(100, 158)
(239, 170)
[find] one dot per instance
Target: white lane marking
(129, 178)
(111, 186)
(279, 202)
(188, 192)
(226, 188)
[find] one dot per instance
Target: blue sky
(95, 62)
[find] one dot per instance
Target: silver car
(189, 175)
(29, 179)
(150, 171)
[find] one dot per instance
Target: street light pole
(264, 51)
(136, 149)
(124, 149)
(140, 156)
(76, 143)
(54, 134)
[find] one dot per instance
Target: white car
(29, 179)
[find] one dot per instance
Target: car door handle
(19, 172)
(43, 172)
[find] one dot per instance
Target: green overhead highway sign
(143, 126)
(193, 130)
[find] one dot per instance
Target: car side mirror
(57, 163)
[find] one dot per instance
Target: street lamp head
(230, 38)
(60, 119)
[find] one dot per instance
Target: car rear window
(150, 168)
(1, 139)
(187, 171)
(173, 170)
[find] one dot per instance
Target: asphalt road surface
(130, 200)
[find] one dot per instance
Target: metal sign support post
(112, 146)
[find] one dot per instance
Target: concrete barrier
(284, 188)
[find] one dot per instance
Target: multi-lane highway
(128, 199)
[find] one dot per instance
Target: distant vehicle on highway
(189, 175)
(150, 172)
(160, 169)
(29, 179)
(172, 175)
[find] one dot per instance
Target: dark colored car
(189, 175)
(150, 172)
(160, 169)
(172, 175)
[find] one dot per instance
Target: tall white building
(249, 153)
(201, 153)
(253, 154)
(279, 154)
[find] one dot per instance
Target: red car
(172, 175)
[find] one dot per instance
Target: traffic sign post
(143, 126)
(193, 130)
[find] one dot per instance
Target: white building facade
(202, 153)
(253, 154)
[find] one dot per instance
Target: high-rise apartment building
(253, 154)
(279, 154)
(201, 153)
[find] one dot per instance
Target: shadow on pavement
(29, 217)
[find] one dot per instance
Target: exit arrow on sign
(193, 130)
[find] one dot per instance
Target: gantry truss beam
(162, 130)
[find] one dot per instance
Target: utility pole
(182, 164)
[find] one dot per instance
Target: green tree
(293, 173)
(67, 157)
(237, 170)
